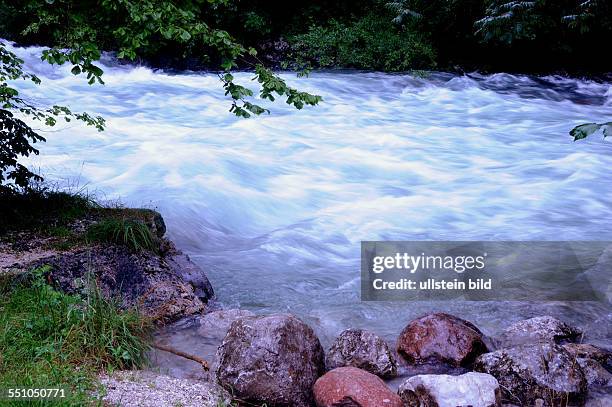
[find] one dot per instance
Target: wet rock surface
(364, 350)
(470, 389)
(273, 359)
(539, 329)
(353, 387)
(537, 371)
(442, 338)
(596, 375)
(588, 351)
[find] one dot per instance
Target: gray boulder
(189, 272)
(539, 329)
(537, 371)
(364, 350)
(143, 279)
(273, 359)
(588, 351)
(594, 372)
(216, 324)
(470, 389)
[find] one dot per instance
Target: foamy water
(274, 208)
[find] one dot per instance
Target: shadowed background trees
(541, 36)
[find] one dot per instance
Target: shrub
(370, 43)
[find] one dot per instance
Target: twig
(182, 354)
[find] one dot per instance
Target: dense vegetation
(541, 35)
(49, 338)
(387, 35)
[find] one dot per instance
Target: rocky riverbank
(278, 360)
(160, 280)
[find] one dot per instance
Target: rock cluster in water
(278, 360)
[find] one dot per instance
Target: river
(274, 208)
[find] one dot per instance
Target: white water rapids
(274, 208)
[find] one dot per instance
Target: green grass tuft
(49, 338)
(131, 233)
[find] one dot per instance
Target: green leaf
(185, 36)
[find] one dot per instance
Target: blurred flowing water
(274, 208)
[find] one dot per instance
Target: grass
(127, 232)
(51, 213)
(50, 339)
(44, 210)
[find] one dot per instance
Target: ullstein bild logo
(530, 271)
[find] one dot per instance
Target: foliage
(130, 233)
(509, 21)
(369, 43)
(78, 30)
(16, 137)
(141, 28)
(42, 209)
(448, 25)
(538, 35)
(584, 130)
(51, 339)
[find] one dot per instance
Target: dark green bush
(42, 209)
(370, 43)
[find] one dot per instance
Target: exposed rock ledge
(165, 285)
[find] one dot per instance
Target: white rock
(470, 389)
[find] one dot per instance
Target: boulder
(539, 329)
(543, 371)
(143, 279)
(440, 337)
(181, 265)
(470, 389)
(353, 387)
(588, 351)
(364, 350)
(273, 359)
(594, 372)
(216, 324)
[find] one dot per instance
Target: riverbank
(83, 289)
(437, 358)
(122, 249)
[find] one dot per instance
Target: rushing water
(274, 208)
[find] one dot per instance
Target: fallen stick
(182, 354)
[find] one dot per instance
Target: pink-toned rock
(440, 337)
(353, 387)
